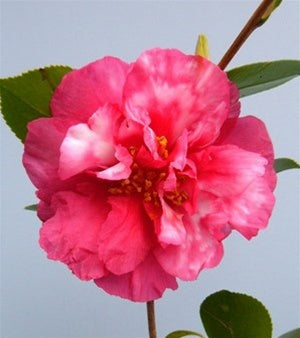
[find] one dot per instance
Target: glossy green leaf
(31, 207)
(292, 334)
(257, 77)
(183, 333)
(281, 164)
(233, 315)
(202, 48)
(274, 4)
(26, 97)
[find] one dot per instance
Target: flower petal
(172, 230)
(126, 235)
(120, 170)
(250, 133)
(236, 178)
(170, 91)
(81, 92)
(72, 234)
(41, 155)
(251, 211)
(147, 282)
(200, 250)
(227, 170)
(89, 145)
(235, 105)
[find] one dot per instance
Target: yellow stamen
(162, 144)
(132, 150)
(147, 197)
(148, 184)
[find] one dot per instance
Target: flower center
(146, 181)
(143, 181)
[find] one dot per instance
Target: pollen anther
(162, 144)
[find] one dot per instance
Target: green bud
(269, 11)
(202, 48)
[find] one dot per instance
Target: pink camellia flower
(144, 168)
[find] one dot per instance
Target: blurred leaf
(269, 11)
(183, 333)
(32, 207)
(291, 334)
(257, 77)
(202, 47)
(233, 315)
(281, 164)
(26, 97)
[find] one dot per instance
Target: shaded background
(41, 298)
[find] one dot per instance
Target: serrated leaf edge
(241, 294)
(14, 77)
(33, 70)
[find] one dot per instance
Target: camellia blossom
(144, 168)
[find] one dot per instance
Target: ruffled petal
(41, 155)
(235, 177)
(147, 282)
(81, 92)
(250, 133)
(126, 235)
(72, 234)
(200, 250)
(235, 105)
(213, 216)
(170, 92)
(89, 145)
(120, 170)
(172, 230)
(178, 157)
(250, 211)
(227, 170)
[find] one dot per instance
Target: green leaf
(183, 333)
(281, 164)
(31, 207)
(233, 315)
(257, 77)
(274, 4)
(292, 334)
(26, 97)
(202, 48)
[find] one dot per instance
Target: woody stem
(250, 26)
(151, 319)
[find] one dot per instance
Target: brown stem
(250, 26)
(151, 319)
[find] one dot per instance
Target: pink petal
(235, 177)
(41, 155)
(198, 251)
(172, 230)
(235, 105)
(83, 91)
(178, 155)
(227, 170)
(126, 235)
(147, 282)
(251, 211)
(120, 170)
(250, 133)
(89, 145)
(170, 184)
(174, 91)
(72, 234)
(213, 216)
